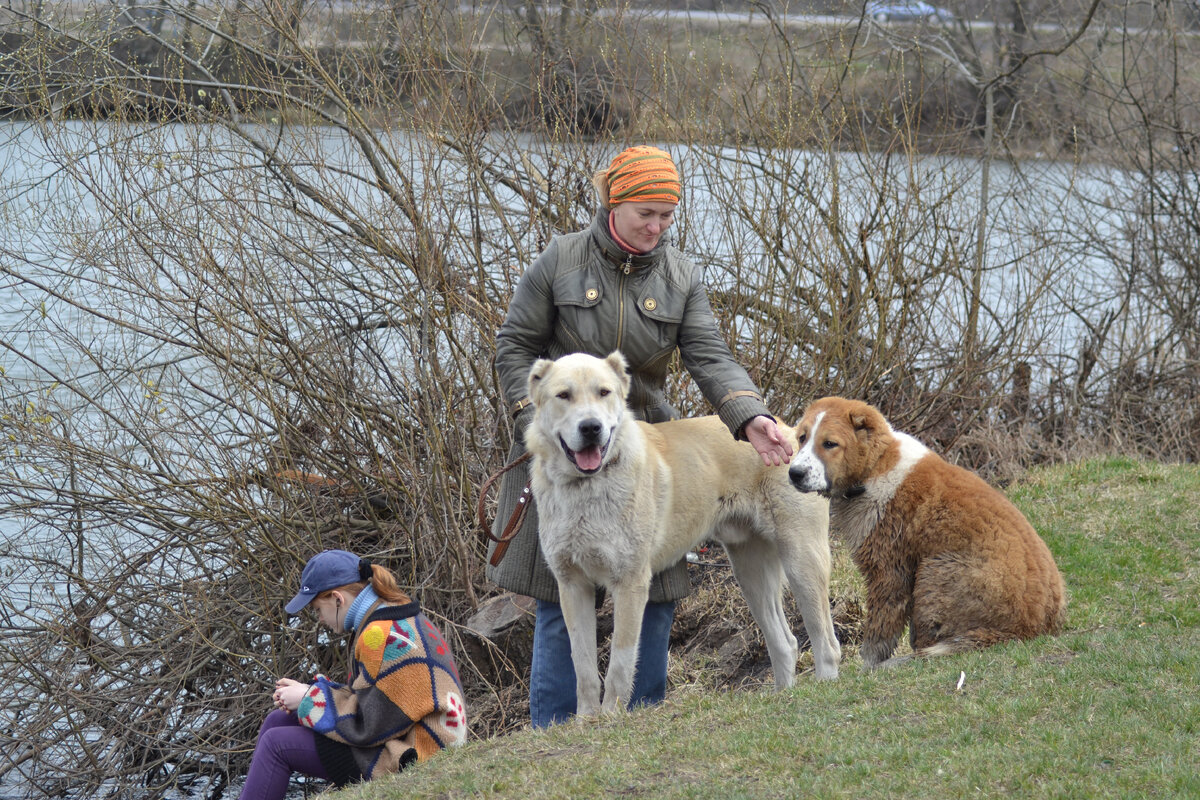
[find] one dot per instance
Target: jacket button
(592, 294)
(650, 304)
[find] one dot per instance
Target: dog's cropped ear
(616, 360)
(537, 375)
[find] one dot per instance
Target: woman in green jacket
(619, 285)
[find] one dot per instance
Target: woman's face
(641, 225)
(331, 610)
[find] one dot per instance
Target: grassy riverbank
(1107, 709)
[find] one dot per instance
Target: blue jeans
(552, 674)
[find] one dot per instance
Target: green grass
(1109, 708)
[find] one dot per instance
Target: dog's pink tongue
(588, 459)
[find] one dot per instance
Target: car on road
(906, 11)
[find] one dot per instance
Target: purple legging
(284, 746)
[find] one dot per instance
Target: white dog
(619, 500)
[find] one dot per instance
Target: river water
(53, 181)
(74, 195)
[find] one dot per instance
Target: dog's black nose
(797, 476)
(590, 430)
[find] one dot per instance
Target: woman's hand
(763, 433)
(289, 693)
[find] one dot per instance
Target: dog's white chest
(582, 529)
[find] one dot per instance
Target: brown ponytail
(384, 584)
(382, 581)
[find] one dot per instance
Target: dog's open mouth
(589, 459)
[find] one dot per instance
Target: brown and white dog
(938, 547)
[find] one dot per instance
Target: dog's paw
(587, 708)
(613, 707)
(895, 661)
(875, 653)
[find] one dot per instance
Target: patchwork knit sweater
(403, 703)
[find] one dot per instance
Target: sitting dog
(619, 500)
(939, 548)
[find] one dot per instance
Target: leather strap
(520, 406)
(514, 521)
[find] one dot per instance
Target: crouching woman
(402, 702)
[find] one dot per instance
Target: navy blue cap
(324, 571)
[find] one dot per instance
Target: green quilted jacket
(585, 294)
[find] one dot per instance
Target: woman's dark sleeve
(707, 357)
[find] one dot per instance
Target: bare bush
(255, 254)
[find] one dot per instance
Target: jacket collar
(614, 254)
(387, 611)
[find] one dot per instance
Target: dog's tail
(975, 639)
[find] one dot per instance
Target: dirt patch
(715, 642)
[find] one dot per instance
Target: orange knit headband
(642, 174)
